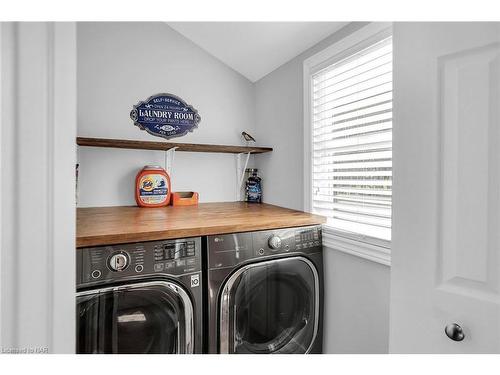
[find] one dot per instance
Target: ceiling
(255, 49)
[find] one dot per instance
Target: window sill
(378, 254)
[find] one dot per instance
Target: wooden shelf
(163, 146)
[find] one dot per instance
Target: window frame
(373, 248)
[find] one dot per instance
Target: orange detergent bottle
(152, 187)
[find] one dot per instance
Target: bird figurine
(247, 137)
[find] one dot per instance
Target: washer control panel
(111, 263)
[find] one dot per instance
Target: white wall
(356, 290)
(120, 64)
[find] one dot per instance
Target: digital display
(169, 251)
(175, 250)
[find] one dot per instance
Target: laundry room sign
(165, 115)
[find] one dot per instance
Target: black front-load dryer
(265, 292)
(140, 298)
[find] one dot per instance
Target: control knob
(118, 262)
(274, 242)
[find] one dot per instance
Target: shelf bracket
(240, 172)
(169, 160)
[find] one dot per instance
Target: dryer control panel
(307, 238)
(115, 262)
(232, 249)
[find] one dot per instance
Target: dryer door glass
(270, 307)
(154, 317)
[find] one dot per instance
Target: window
(350, 122)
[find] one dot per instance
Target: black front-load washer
(140, 298)
(265, 292)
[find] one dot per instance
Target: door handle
(454, 332)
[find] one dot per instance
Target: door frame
(37, 145)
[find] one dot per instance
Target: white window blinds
(352, 142)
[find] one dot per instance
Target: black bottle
(253, 190)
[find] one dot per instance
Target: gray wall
(356, 304)
(120, 64)
(279, 101)
(356, 290)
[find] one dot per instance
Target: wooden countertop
(113, 225)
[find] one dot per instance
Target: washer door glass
(154, 317)
(270, 307)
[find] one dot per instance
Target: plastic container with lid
(152, 187)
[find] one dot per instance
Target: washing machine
(140, 298)
(265, 292)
